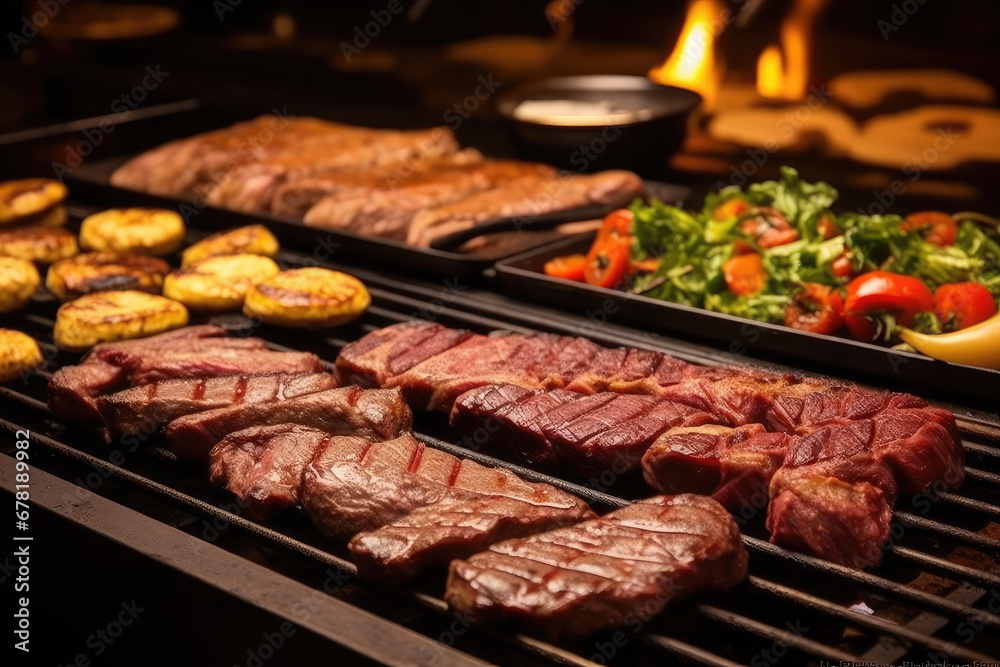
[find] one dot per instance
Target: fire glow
(693, 63)
(783, 71)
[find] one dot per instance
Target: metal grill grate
(792, 607)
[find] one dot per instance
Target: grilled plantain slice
(18, 281)
(32, 201)
(101, 272)
(252, 239)
(218, 283)
(309, 297)
(133, 231)
(38, 244)
(18, 353)
(110, 316)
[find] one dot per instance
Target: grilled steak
(733, 465)
(262, 465)
(389, 210)
(73, 389)
(529, 196)
(184, 167)
(354, 484)
(375, 413)
(423, 505)
(602, 572)
(251, 187)
(587, 434)
(295, 198)
(833, 496)
(463, 523)
(434, 365)
(147, 408)
(831, 489)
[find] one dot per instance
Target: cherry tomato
(880, 292)
(569, 267)
(841, 267)
(769, 228)
(963, 304)
(937, 227)
(827, 228)
(816, 308)
(608, 261)
(731, 209)
(744, 274)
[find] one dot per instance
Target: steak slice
(295, 198)
(146, 409)
(374, 413)
(374, 359)
(423, 506)
(595, 574)
(462, 524)
(355, 484)
(526, 196)
(733, 465)
(262, 465)
(833, 497)
(72, 390)
(588, 434)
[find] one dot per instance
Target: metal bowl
(646, 124)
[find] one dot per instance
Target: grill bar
(855, 618)
(830, 577)
(789, 639)
(944, 530)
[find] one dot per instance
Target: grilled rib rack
(935, 597)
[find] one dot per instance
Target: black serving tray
(90, 183)
(521, 276)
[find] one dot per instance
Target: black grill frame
(724, 625)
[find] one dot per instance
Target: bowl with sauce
(589, 123)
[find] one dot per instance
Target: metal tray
(90, 183)
(521, 276)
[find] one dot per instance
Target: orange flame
(783, 71)
(692, 64)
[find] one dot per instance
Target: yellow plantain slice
(32, 200)
(38, 244)
(310, 297)
(218, 283)
(18, 281)
(133, 231)
(109, 316)
(18, 353)
(100, 272)
(252, 239)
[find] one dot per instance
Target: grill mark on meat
(375, 413)
(418, 455)
(624, 561)
(455, 469)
